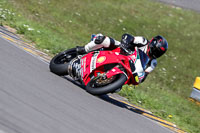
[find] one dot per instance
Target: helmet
(157, 47)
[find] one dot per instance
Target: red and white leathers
(100, 41)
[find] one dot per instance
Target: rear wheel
(100, 86)
(59, 63)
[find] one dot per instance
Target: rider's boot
(80, 50)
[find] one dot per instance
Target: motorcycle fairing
(93, 64)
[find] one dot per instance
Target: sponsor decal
(83, 63)
(137, 79)
(133, 57)
(82, 73)
(116, 53)
(101, 59)
(93, 61)
(113, 70)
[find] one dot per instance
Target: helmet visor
(155, 50)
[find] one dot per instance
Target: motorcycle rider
(153, 48)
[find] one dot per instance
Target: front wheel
(99, 86)
(59, 63)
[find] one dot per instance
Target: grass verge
(55, 25)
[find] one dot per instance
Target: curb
(195, 95)
(149, 115)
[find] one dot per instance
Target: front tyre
(101, 87)
(59, 63)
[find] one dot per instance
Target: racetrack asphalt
(188, 4)
(34, 100)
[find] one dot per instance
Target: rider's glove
(127, 40)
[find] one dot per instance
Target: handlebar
(125, 49)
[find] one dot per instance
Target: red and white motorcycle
(101, 72)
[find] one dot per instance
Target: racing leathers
(100, 41)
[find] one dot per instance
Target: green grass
(57, 25)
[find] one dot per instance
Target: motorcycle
(101, 71)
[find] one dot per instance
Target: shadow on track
(120, 104)
(107, 98)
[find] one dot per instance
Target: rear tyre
(59, 63)
(94, 88)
